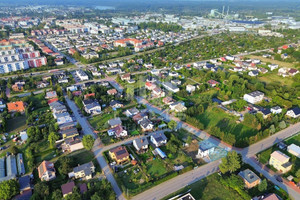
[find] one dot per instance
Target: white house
(294, 149)
(158, 139)
(276, 110)
(205, 148)
(254, 97)
(294, 113)
(253, 73)
(178, 107)
(146, 124)
(82, 75)
(169, 86)
(190, 88)
(91, 106)
(273, 66)
(231, 58)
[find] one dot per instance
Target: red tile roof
(17, 106)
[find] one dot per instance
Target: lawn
(16, 124)
(273, 77)
(209, 188)
(99, 121)
(133, 178)
(294, 140)
(266, 60)
(156, 168)
(217, 117)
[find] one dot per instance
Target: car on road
(279, 179)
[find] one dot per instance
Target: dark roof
(296, 110)
(159, 137)
(120, 152)
(140, 142)
(83, 167)
(67, 188)
(265, 111)
(145, 122)
(24, 182)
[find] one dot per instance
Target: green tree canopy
(88, 142)
(230, 163)
(8, 189)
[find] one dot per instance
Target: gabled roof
(83, 167)
(140, 142)
(67, 188)
(45, 166)
(17, 106)
(159, 137)
(296, 110)
(115, 121)
(120, 152)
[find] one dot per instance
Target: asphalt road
(96, 150)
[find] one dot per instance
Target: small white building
(273, 66)
(294, 149)
(276, 110)
(254, 97)
(190, 88)
(294, 113)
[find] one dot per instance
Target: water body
(105, 7)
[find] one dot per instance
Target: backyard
(16, 124)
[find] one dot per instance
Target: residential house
(187, 196)
(131, 112)
(83, 171)
(254, 97)
(170, 87)
(190, 88)
(69, 133)
(46, 171)
(272, 196)
(112, 92)
(146, 124)
(178, 107)
(250, 178)
(280, 161)
(115, 104)
(114, 122)
(59, 61)
(17, 106)
(293, 72)
(253, 73)
(158, 139)
(82, 75)
(91, 106)
(72, 144)
(273, 66)
(158, 93)
(294, 112)
(140, 116)
(51, 95)
(150, 86)
(176, 82)
(168, 100)
(62, 118)
(266, 112)
(117, 131)
(18, 86)
(119, 154)
(294, 149)
(42, 84)
(213, 83)
(141, 144)
(205, 148)
(125, 77)
(25, 183)
(276, 110)
(67, 188)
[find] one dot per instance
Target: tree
(272, 129)
(263, 185)
(189, 139)
(88, 142)
(41, 189)
(65, 165)
(230, 163)
(8, 189)
(14, 150)
(282, 124)
(56, 195)
(172, 125)
(96, 197)
(298, 173)
(52, 138)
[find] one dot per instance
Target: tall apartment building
(18, 55)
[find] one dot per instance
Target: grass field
(16, 124)
(156, 168)
(216, 117)
(100, 120)
(209, 188)
(277, 62)
(273, 77)
(294, 140)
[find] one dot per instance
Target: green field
(217, 117)
(99, 121)
(209, 188)
(294, 140)
(16, 124)
(156, 168)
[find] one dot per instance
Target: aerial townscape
(149, 100)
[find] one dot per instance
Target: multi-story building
(280, 161)
(18, 55)
(254, 97)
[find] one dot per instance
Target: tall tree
(52, 138)
(230, 163)
(8, 189)
(88, 142)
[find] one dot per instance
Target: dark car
(279, 179)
